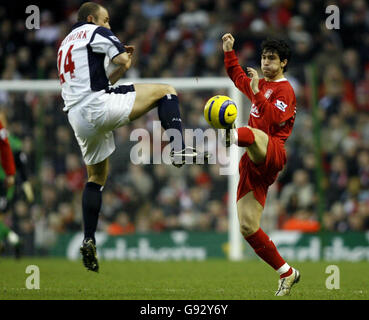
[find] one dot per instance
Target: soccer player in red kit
(270, 123)
(8, 164)
(7, 158)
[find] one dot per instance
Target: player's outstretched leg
(249, 214)
(164, 97)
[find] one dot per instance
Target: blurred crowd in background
(183, 39)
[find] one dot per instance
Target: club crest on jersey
(281, 105)
(114, 38)
(255, 111)
(268, 93)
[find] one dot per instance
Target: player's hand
(228, 42)
(9, 181)
(129, 49)
(254, 84)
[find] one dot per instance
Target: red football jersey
(273, 107)
(6, 154)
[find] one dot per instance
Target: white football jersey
(82, 59)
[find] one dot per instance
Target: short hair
(88, 8)
(278, 46)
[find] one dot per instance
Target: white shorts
(93, 124)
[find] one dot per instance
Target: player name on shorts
(75, 36)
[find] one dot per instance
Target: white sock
(283, 269)
(13, 238)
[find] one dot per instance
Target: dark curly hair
(279, 47)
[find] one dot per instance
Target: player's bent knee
(100, 180)
(260, 136)
(98, 173)
(248, 228)
(161, 90)
(168, 89)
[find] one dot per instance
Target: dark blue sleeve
(104, 41)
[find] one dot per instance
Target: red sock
(245, 137)
(265, 249)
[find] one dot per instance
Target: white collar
(279, 80)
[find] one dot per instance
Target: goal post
(181, 84)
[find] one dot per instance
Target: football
(220, 112)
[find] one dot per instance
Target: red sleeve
(236, 73)
(278, 110)
(6, 154)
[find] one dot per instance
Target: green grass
(209, 280)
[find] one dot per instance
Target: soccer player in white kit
(95, 109)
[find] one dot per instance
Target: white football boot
(189, 155)
(285, 284)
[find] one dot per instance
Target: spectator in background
(336, 89)
(338, 179)
(121, 225)
(49, 31)
(299, 194)
(153, 9)
(351, 65)
(363, 165)
(362, 91)
(302, 220)
(193, 17)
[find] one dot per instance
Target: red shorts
(258, 178)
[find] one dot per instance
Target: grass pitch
(183, 280)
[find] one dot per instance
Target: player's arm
(233, 68)
(104, 41)
(7, 158)
(123, 62)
